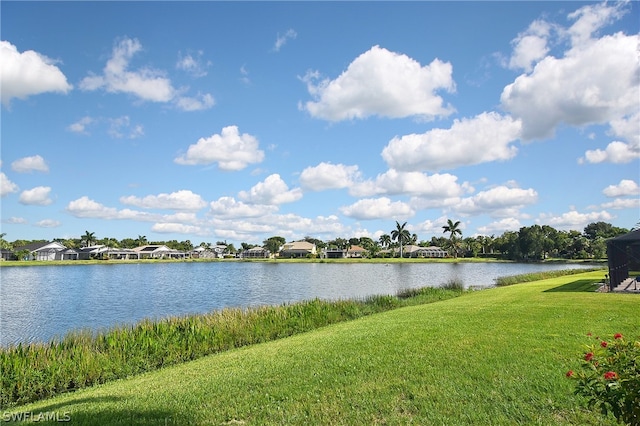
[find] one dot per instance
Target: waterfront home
(418, 251)
(158, 252)
(255, 253)
(356, 252)
(298, 249)
(43, 250)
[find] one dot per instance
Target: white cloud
(194, 65)
(121, 127)
(624, 188)
(328, 176)
(228, 207)
(593, 83)
(486, 137)
(80, 126)
(530, 46)
(38, 196)
(178, 228)
(383, 83)
(589, 19)
(626, 128)
(147, 84)
(28, 73)
(180, 200)
(378, 208)
(272, 191)
(48, 223)
(500, 201)
(574, 220)
(16, 220)
(86, 207)
(281, 40)
(229, 149)
(34, 163)
(6, 186)
(198, 103)
(500, 226)
(393, 182)
(616, 152)
(622, 203)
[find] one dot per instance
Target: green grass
(543, 275)
(81, 359)
(495, 356)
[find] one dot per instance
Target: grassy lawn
(495, 356)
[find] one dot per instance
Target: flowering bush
(610, 378)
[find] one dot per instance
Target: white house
(43, 251)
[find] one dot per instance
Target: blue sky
(214, 121)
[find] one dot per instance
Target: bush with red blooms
(610, 378)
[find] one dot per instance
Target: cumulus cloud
(179, 228)
(147, 84)
(48, 223)
(281, 40)
(616, 152)
(180, 200)
(272, 191)
(229, 149)
(228, 207)
(38, 196)
(500, 201)
(393, 182)
(574, 220)
(81, 125)
(194, 65)
(16, 220)
(530, 46)
(500, 226)
(328, 176)
(121, 127)
(34, 163)
(624, 188)
(622, 203)
(378, 208)
(486, 137)
(384, 83)
(28, 73)
(595, 82)
(6, 186)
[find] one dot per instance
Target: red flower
(588, 356)
(617, 336)
(569, 373)
(603, 344)
(610, 375)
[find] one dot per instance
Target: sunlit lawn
(495, 356)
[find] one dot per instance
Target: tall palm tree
(88, 238)
(401, 234)
(452, 229)
(385, 240)
(142, 240)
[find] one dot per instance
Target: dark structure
(623, 253)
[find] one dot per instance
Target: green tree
(88, 238)
(453, 229)
(4, 244)
(141, 240)
(273, 244)
(385, 240)
(401, 234)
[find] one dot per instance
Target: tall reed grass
(36, 371)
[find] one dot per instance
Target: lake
(38, 303)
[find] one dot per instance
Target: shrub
(610, 378)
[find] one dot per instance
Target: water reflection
(39, 303)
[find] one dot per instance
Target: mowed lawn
(490, 357)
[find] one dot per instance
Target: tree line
(536, 242)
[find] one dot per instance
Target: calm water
(40, 303)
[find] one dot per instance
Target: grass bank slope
(491, 357)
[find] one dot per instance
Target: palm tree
(452, 229)
(142, 240)
(88, 238)
(385, 240)
(400, 234)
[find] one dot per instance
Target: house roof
(299, 245)
(41, 245)
(356, 248)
